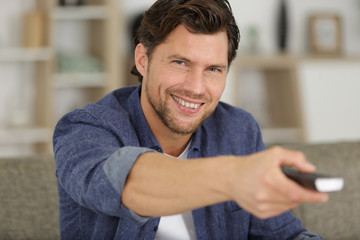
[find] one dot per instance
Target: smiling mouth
(186, 104)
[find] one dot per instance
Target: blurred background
(297, 70)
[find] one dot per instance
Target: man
(120, 167)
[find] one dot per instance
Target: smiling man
(182, 84)
(121, 165)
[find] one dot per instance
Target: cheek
(160, 73)
(169, 79)
(217, 89)
(159, 82)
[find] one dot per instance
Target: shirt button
(157, 149)
(156, 228)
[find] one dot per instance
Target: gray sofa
(28, 199)
(338, 219)
(29, 202)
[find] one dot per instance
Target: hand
(259, 186)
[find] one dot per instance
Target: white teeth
(186, 104)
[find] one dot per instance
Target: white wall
(298, 12)
(331, 101)
(258, 13)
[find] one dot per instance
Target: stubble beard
(164, 113)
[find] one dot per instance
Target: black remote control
(314, 181)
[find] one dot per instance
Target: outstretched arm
(159, 185)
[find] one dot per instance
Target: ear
(141, 60)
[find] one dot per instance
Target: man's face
(184, 79)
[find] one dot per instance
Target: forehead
(196, 45)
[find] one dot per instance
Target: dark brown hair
(198, 16)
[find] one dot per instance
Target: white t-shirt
(180, 226)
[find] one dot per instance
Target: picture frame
(325, 35)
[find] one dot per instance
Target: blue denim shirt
(95, 148)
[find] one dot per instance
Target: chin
(184, 129)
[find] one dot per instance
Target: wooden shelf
(284, 61)
(284, 104)
(265, 61)
(102, 41)
(79, 80)
(80, 13)
(281, 92)
(25, 135)
(282, 135)
(25, 54)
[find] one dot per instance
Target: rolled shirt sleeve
(93, 163)
(117, 170)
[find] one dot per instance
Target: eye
(214, 69)
(179, 62)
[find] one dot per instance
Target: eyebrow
(182, 58)
(178, 57)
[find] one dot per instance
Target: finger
(296, 193)
(273, 209)
(286, 202)
(290, 191)
(266, 209)
(315, 197)
(294, 159)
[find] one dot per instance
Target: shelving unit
(33, 130)
(80, 80)
(22, 54)
(282, 83)
(283, 101)
(80, 13)
(25, 135)
(104, 27)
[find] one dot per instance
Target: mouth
(186, 104)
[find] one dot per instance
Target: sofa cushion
(28, 198)
(29, 202)
(339, 218)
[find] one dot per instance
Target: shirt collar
(142, 128)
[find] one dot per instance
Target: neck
(174, 146)
(172, 143)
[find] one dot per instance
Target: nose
(195, 82)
